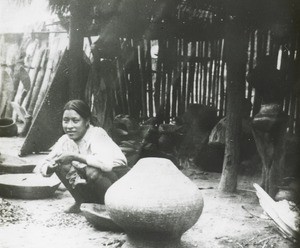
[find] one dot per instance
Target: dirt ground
(233, 220)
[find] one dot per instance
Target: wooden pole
(210, 72)
(197, 82)
(205, 59)
(201, 56)
(176, 81)
(222, 91)
(76, 50)
(143, 79)
(217, 73)
(236, 57)
(149, 77)
(157, 83)
(191, 76)
(163, 77)
(179, 79)
(184, 76)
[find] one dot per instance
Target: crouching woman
(85, 158)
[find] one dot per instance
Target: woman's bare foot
(75, 208)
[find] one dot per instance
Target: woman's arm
(46, 167)
(94, 160)
(68, 157)
(103, 152)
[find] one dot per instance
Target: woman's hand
(46, 168)
(66, 158)
(79, 165)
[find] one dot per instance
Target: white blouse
(98, 147)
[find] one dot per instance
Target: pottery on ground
(13, 164)
(8, 128)
(269, 117)
(154, 203)
(97, 215)
(27, 186)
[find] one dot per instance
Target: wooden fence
(181, 72)
(186, 72)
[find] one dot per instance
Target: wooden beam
(76, 34)
(236, 57)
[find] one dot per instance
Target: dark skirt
(88, 185)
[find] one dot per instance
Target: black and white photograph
(149, 123)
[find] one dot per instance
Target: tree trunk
(236, 55)
(76, 89)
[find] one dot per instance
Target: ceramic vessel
(97, 215)
(154, 203)
(27, 186)
(13, 164)
(269, 117)
(8, 128)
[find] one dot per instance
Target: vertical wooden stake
(76, 51)
(236, 57)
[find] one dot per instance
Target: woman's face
(74, 125)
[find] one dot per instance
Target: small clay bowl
(97, 215)
(8, 128)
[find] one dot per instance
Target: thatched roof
(180, 17)
(261, 9)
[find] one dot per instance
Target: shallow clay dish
(27, 186)
(8, 127)
(13, 164)
(97, 215)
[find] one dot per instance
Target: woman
(85, 158)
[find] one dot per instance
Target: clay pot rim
(7, 119)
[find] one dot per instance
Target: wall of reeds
(170, 74)
(165, 74)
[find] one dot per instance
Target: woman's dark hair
(80, 107)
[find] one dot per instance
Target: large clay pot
(8, 128)
(269, 117)
(154, 203)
